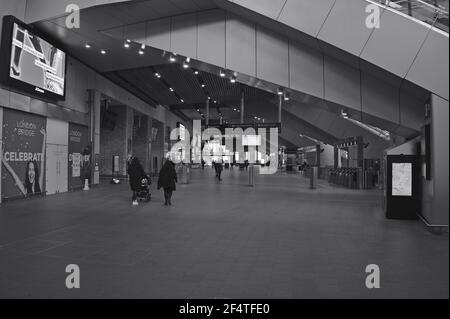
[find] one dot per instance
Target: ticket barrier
(347, 177)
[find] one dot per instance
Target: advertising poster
(79, 156)
(23, 154)
(401, 179)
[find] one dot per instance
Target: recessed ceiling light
(172, 59)
(158, 75)
(280, 91)
(103, 52)
(185, 65)
(141, 52)
(171, 90)
(87, 45)
(222, 74)
(203, 85)
(182, 101)
(126, 45)
(287, 96)
(196, 72)
(233, 79)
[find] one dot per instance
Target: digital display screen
(402, 175)
(36, 62)
(251, 140)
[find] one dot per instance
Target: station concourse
(309, 141)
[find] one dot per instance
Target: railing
(432, 12)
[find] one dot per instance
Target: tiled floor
(278, 239)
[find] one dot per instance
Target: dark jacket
(167, 176)
(136, 172)
(218, 166)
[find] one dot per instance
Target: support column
(280, 106)
(318, 155)
(435, 190)
(94, 98)
(207, 112)
(360, 151)
(336, 157)
(242, 106)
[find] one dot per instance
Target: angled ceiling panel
(211, 40)
(345, 27)
(184, 35)
(395, 44)
(430, 68)
(158, 34)
(306, 15)
(269, 8)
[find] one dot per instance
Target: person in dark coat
(136, 173)
(167, 179)
(219, 169)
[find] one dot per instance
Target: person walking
(136, 173)
(167, 180)
(219, 169)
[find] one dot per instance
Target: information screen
(402, 179)
(36, 62)
(251, 140)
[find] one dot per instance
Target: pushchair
(144, 189)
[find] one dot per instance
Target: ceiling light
(126, 44)
(280, 91)
(103, 52)
(235, 110)
(87, 46)
(141, 52)
(185, 65)
(215, 102)
(287, 96)
(233, 79)
(171, 90)
(172, 59)
(182, 101)
(196, 72)
(203, 85)
(158, 75)
(222, 74)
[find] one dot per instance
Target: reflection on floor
(278, 239)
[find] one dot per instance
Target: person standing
(136, 173)
(167, 180)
